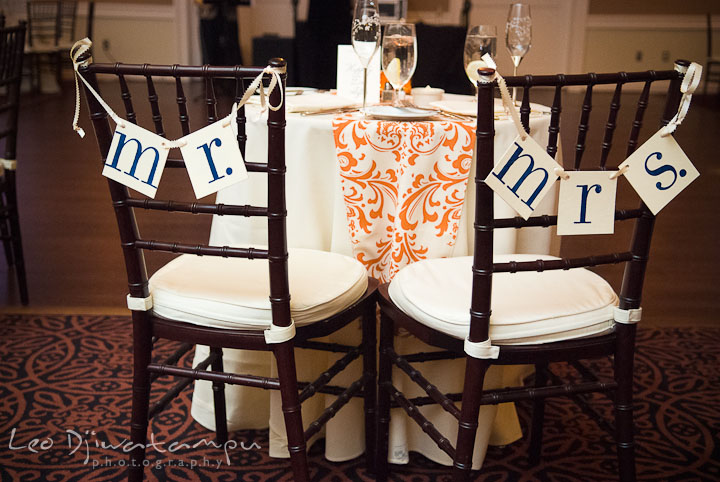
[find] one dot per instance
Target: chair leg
(624, 401)
(475, 370)
(387, 334)
(5, 233)
(538, 417)
(370, 384)
(287, 374)
(142, 349)
(16, 238)
(221, 431)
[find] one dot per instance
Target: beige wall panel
(652, 7)
(135, 40)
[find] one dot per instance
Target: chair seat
(234, 293)
(527, 307)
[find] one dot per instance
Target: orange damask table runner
(404, 186)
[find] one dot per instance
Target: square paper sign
(587, 203)
(659, 170)
(212, 158)
(523, 176)
(136, 158)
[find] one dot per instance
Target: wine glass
(518, 34)
(365, 35)
(399, 55)
(480, 40)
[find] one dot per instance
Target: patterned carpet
(64, 408)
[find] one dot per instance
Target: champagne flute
(399, 55)
(365, 36)
(480, 40)
(518, 35)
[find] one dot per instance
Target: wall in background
(642, 42)
(650, 7)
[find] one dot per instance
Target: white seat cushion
(527, 307)
(234, 292)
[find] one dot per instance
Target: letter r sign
(212, 158)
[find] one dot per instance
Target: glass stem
(364, 87)
(514, 88)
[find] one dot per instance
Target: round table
(317, 219)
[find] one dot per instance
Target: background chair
(545, 310)
(220, 296)
(51, 33)
(12, 42)
(712, 63)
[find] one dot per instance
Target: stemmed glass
(399, 55)
(518, 34)
(365, 36)
(480, 40)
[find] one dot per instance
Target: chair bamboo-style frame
(147, 327)
(51, 32)
(12, 42)
(712, 63)
(619, 343)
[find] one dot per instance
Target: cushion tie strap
(627, 317)
(9, 164)
(280, 334)
(481, 349)
(140, 304)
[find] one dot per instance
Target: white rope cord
(140, 304)
(689, 84)
(82, 46)
(481, 349)
(280, 334)
(79, 48)
(506, 98)
(619, 172)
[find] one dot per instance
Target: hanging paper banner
(659, 170)
(523, 176)
(136, 158)
(212, 157)
(586, 203)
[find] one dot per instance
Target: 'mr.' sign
(212, 158)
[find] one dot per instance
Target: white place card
(212, 158)
(523, 175)
(350, 76)
(136, 158)
(659, 170)
(587, 203)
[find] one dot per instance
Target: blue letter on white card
(587, 203)
(523, 176)
(659, 170)
(137, 159)
(212, 158)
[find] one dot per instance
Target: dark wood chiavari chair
(12, 42)
(239, 266)
(51, 33)
(520, 286)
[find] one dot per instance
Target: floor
(74, 262)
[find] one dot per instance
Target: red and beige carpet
(65, 384)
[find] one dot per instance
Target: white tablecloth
(317, 220)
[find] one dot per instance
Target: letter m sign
(523, 176)
(136, 159)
